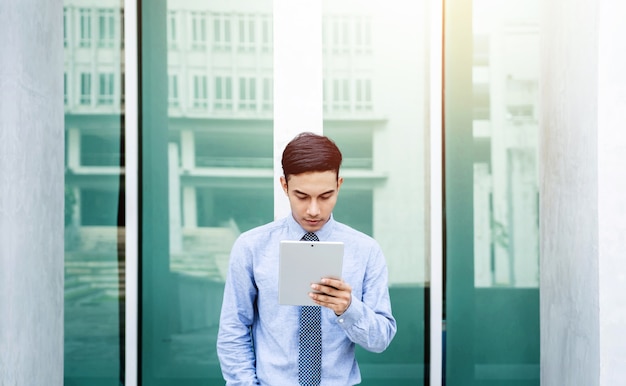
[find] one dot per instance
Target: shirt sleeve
(368, 321)
(234, 340)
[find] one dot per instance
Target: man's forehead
(314, 175)
(313, 183)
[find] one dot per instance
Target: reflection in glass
(207, 172)
(94, 191)
(493, 259)
(505, 129)
(375, 89)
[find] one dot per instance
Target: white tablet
(303, 263)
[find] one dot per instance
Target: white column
(297, 79)
(188, 150)
(190, 213)
(73, 148)
(568, 191)
(583, 190)
(612, 190)
(31, 192)
(176, 235)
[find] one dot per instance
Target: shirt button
(341, 320)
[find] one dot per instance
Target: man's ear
(283, 183)
(339, 182)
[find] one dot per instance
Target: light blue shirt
(251, 313)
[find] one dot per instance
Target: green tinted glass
(207, 140)
(492, 239)
(375, 63)
(94, 192)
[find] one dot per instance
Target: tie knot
(310, 236)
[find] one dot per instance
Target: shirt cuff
(352, 315)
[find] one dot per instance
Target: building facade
(208, 134)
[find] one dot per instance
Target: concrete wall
(583, 153)
(31, 192)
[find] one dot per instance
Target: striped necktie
(310, 340)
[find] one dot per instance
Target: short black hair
(310, 152)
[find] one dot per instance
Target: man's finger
(324, 288)
(336, 283)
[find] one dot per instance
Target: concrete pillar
(583, 193)
(612, 191)
(31, 192)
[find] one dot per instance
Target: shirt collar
(296, 231)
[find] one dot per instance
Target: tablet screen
(303, 263)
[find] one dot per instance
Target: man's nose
(313, 209)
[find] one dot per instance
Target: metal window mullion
(131, 135)
(436, 191)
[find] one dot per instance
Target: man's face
(312, 197)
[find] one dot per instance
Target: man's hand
(334, 294)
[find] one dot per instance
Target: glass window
(357, 149)
(207, 177)
(121, 28)
(227, 32)
(266, 34)
(172, 90)
(221, 32)
(94, 205)
(65, 98)
(251, 31)
(85, 28)
(198, 28)
(85, 88)
(358, 34)
(334, 25)
(268, 94)
(325, 91)
(383, 144)
(223, 93)
(106, 89)
(492, 246)
(345, 33)
(339, 36)
(106, 28)
(65, 26)
(222, 150)
(217, 31)
(247, 25)
(247, 93)
(172, 30)
(363, 94)
(200, 92)
(101, 149)
(341, 95)
(122, 94)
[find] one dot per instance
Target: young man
(259, 340)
